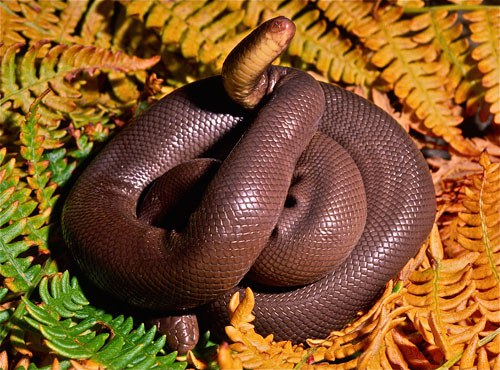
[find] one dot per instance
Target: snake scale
(311, 192)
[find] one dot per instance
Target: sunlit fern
(27, 73)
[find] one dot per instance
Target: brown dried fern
(24, 362)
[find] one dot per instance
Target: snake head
(244, 70)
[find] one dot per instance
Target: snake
(261, 176)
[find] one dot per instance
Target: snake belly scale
(262, 180)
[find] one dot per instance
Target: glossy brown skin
(385, 189)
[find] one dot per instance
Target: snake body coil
(255, 188)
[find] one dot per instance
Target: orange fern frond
(414, 73)
(255, 351)
(206, 32)
(44, 20)
(444, 34)
(485, 28)
(11, 24)
(441, 299)
(480, 234)
(189, 26)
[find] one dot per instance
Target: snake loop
(265, 173)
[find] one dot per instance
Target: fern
(341, 349)
(444, 34)
(480, 234)
(22, 193)
(415, 80)
(26, 363)
(17, 218)
(255, 351)
(56, 64)
(345, 14)
(486, 33)
(442, 299)
(189, 28)
(48, 20)
(330, 53)
(74, 329)
(11, 23)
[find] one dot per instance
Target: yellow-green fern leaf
(95, 27)
(193, 27)
(328, 51)
(318, 45)
(45, 65)
(346, 14)
(206, 32)
(485, 28)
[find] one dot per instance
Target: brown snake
(315, 190)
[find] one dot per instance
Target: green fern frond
(416, 80)
(16, 206)
(26, 201)
(486, 33)
(37, 141)
(5, 314)
(74, 329)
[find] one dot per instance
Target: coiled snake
(315, 191)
